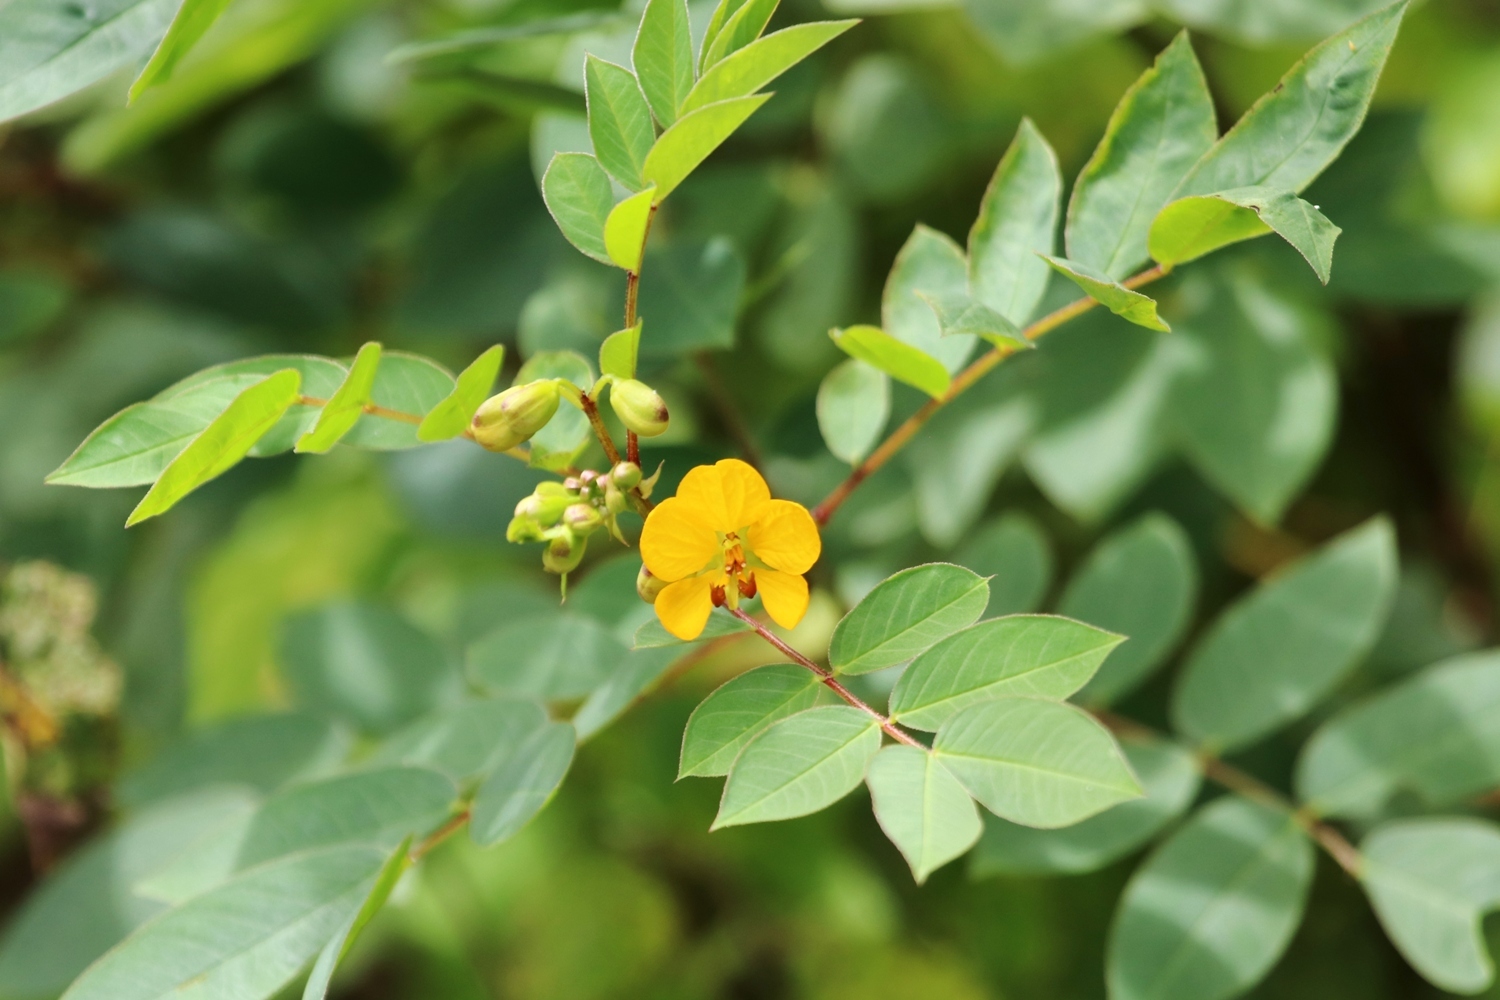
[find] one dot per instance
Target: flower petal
(676, 541)
(783, 594)
(728, 494)
(684, 606)
(784, 537)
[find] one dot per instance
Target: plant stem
(963, 381)
(591, 410)
(832, 683)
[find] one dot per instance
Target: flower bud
(626, 475)
(639, 407)
(614, 500)
(512, 417)
(648, 586)
(564, 553)
(523, 529)
(545, 510)
(582, 518)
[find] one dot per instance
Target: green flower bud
(512, 417)
(614, 500)
(626, 475)
(564, 553)
(523, 529)
(545, 510)
(648, 586)
(639, 407)
(582, 518)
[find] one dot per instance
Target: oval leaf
(521, 783)
(687, 143)
(464, 741)
(922, 807)
(1017, 220)
(1124, 303)
(550, 656)
(450, 418)
(854, 403)
(757, 64)
(625, 230)
(899, 360)
(740, 710)
(347, 405)
(1189, 228)
(905, 615)
(799, 765)
(619, 120)
(578, 194)
(663, 57)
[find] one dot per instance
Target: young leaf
(803, 763)
(577, 192)
(1169, 775)
(960, 316)
(521, 783)
(1141, 582)
(619, 120)
(1191, 227)
(734, 24)
(247, 938)
(906, 614)
(1017, 220)
(617, 355)
(1277, 652)
(321, 378)
(347, 405)
(222, 444)
(854, 403)
(561, 655)
(928, 264)
(1014, 553)
(1039, 763)
(876, 348)
(409, 384)
(450, 418)
(741, 709)
(334, 951)
(1124, 303)
(625, 230)
(1209, 913)
(1040, 656)
(1436, 734)
(1431, 882)
(193, 19)
(1161, 127)
(464, 741)
(757, 64)
(663, 57)
(680, 149)
(922, 808)
(1288, 136)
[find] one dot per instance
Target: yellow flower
(722, 538)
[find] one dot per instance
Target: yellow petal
(676, 541)
(783, 594)
(784, 537)
(729, 494)
(683, 607)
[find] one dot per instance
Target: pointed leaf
(854, 403)
(335, 950)
(1124, 303)
(625, 230)
(680, 149)
(961, 316)
(579, 196)
(619, 120)
(928, 264)
(906, 614)
(450, 418)
(922, 807)
(734, 24)
(1017, 220)
(193, 20)
(1191, 227)
(799, 765)
(1039, 763)
(466, 740)
(618, 353)
(746, 71)
(1042, 656)
(663, 57)
(876, 348)
(521, 783)
(740, 710)
(222, 444)
(321, 378)
(408, 384)
(346, 406)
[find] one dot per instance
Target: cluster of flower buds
(565, 514)
(510, 418)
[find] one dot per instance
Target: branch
(963, 381)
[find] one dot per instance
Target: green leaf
(1161, 127)
(854, 403)
(1041, 656)
(578, 194)
(1035, 762)
(663, 57)
(962, 316)
(680, 149)
(521, 783)
(1277, 652)
(246, 938)
(1013, 552)
(928, 264)
(561, 655)
(222, 443)
(1190, 227)
(744, 72)
(383, 806)
(50, 50)
(741, 709)
(905, 615)
(321, 378)
(625, 230)
(464, 741)
(1169, 775)
(1288, 136)
(799, 765)
(619, 120)
(617, 355)
(473, 39)
(922, 808)
(404, 383)
(347, 405)
(1124, 303)
(1209, 913)
(450, 418)
(903, 362)
(558, 445)
(651, 635)
(193, 19)
(1431, 882)
(364, 664)
(335, 950)
(1140, 582)
(631, 678)
(1436, 735)
(734, 24)
(1017, 220)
